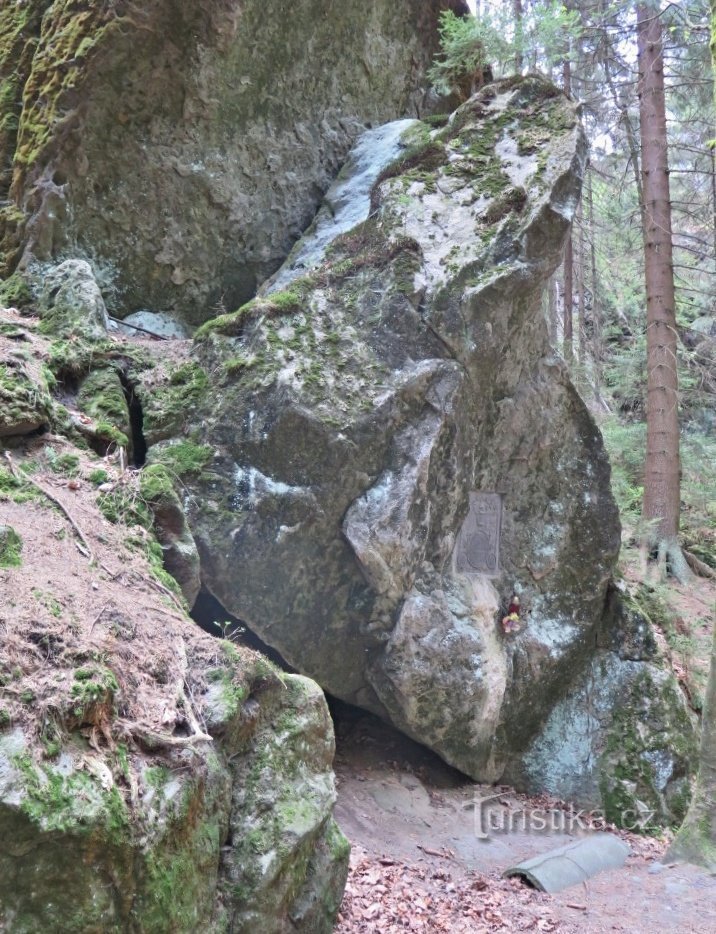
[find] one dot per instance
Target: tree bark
(519, 53)
(552, 299)
(696, 838)
(662, 469)
(567, 301)
(596, 314)
(581, 305)
(568, 265)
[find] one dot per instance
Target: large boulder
(394, 451)
(183, 147)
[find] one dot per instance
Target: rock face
(152, 778)
(623, 736)
(376, 401)
(182, 148)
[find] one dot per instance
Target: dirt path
(418, 865)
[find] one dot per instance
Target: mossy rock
(102, 397)
(650, 756)
(25, 402)
(69, 300)
(169, 406)
(181, 558)
(181, 458)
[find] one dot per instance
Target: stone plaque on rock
(478, 545)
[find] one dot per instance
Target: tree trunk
(519, 54)
(661, 475)
(567, 285)
(552, 299)
(596, 314)
(581, 306)
(567, 301)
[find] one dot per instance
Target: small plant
(93, 693)
(65, 464)
(230, 631)
(98, 476)
(183, 457)
(10, 547)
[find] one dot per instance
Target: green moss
(650, 725)
(233, 692)
(74, 803)
(167, 408)
(123, 506)
(425, 157)
(155, 484)
(72, 359)
(182, 457)
(276, 304)
(93, 686)
(65, 464)
(436, 120)
(15, 292)
(69, 36)
(157, 776)
(10, 547)
(101, 397)
(98, 476)
(25, 401)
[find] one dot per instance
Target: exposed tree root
(670, 559)
(152, 739)
(698, 566)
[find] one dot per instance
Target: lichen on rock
(119, 116)
(124, 728)
(406, 369)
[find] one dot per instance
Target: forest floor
(418, 865)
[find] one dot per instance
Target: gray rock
(622, 736)
(154, 322)
(352, 415)
(206, 136)
(25, 403)
(69, 298)
(234, 832)
(347, 201)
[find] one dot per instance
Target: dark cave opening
(136, 422)
(213, 618)
(362, 738)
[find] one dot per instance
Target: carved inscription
(478, 545)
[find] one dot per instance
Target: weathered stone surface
(135, 749)
(181, 558)
(153, 322)
(184, 147)
(102, 398)
(69, 299)
(281, 799)
(623, 736)
(76, 858)
(25, 403)
(372, 398)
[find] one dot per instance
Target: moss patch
(10, 547)
(182, 458)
